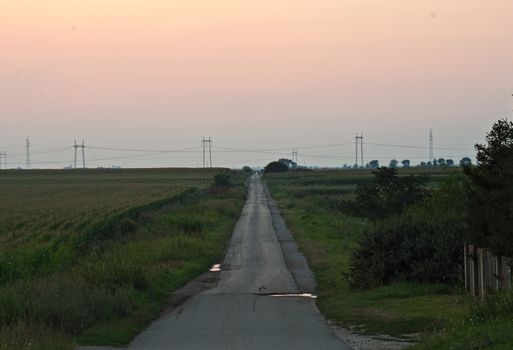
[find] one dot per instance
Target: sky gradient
(266, 76)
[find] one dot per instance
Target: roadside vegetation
(100, 272)
(386, 245)
(317, 206)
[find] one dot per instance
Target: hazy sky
(265, 75)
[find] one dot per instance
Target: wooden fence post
(483, 272)
(466, 267)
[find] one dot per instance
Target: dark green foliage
(276, 167)
(289, 163)
(374, 164)
(465, 162)
(422, 245)
(247, 169)
(490, 216)
(408, 249)
(223, 179)
(387, 194)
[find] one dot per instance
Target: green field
(310, 202)
(90, 256)
(41, 209)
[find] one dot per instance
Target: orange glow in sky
(154, 69)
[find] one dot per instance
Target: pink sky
(252, 74)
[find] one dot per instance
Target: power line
(416, 147)
(183, 150)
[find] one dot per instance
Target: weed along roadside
(388, 312)
(121, 272)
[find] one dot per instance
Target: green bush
(422, 245)
(276, 167)
(223, 179)
(388, 194)
(408, 249)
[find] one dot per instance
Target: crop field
(39, 209)
(312, 205)
(90, 256)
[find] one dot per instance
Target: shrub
(387, 194)
(276, 167)
(222, 179)
(421, 245)
(408, 249)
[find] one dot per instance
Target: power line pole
(83, 154)
(359, 142)
(210, 149)
(207, 144)
(431, 152)
(3, 160)
(76, 146)
(27, 155)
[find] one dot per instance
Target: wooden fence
(485, 272)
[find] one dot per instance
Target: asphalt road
(249, 308)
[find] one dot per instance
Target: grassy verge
(486, 325)
(119, 284)
(327, 238)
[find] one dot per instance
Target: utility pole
(76, 146)
(27, 155)
(431, 152)
(3, 160)
(294, 155)
(359, 144)
(207, 144)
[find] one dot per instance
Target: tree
(449, 162)
(289, 163)
(247, 169)
(276, 167)
(373, 164)
(406, 163)
(490, 216)
(465, 162)
(388, 193)
(423, 164)
(441, 162)
(393, 163)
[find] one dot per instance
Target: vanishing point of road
(261, 299)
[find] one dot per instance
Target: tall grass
(113, 284)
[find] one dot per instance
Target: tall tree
(491, 192)
(465, 162)
(374, 164)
